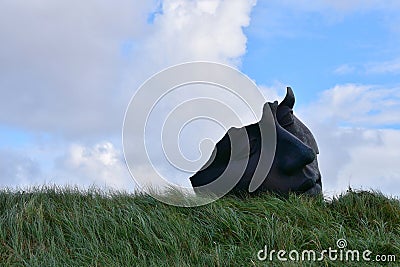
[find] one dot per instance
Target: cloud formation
(357, 148)
(200, 30)
(360, 105)
(389, 67)
(18, 169)
(66, 64)
(60, 63)
(101, 164)
(69, 68)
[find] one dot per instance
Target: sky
(68, 70)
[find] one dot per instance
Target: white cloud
(359, 105)
(344, 69)
(17, 169)
(276, 92)
(376, 163)
(101, 165)
(69, 68)
(357, 148)
(383, 67)
(391, 66)
(63, 67)
(60, 62)
(198, 30)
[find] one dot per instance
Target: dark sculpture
(294, 167)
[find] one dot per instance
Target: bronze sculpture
(294, 167)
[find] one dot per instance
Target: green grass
(68, 227)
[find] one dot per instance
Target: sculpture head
(294, 167)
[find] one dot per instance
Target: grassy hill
(67, 227)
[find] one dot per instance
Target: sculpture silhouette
(294, 167)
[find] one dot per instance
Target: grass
(67, 227)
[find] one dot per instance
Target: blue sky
(307, 49)
(68, 70)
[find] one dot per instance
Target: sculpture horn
(289, 98)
